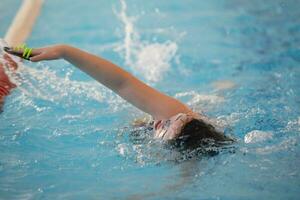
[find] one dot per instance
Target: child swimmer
(172, 119)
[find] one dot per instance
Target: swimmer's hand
(39, 54)
(47, 53)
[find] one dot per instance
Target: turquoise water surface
(64, 136)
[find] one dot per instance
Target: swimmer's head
(198, 133)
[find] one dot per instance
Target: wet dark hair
(198, 134)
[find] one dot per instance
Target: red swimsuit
(5, 84)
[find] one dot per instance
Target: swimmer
(172, 119)
(5, 83)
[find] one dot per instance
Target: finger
(38, 57)
(36, 51)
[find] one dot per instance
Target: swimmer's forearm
(139, 94)
(124, 84)
(100, 69)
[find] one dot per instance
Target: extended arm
(144, 97)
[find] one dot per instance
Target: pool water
(64, 136)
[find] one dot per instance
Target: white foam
(257, 136)
(293, 125)
(229, 120)
(44, 84)
(154, 59)
(197, 98)
(122, 149)
(284, 145)
(150, 60)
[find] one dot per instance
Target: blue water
(64, 136)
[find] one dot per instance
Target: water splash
(200, 102)
(286, 144)
(257, 136)
(44, 84)
(150, 60)
(293, 125)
